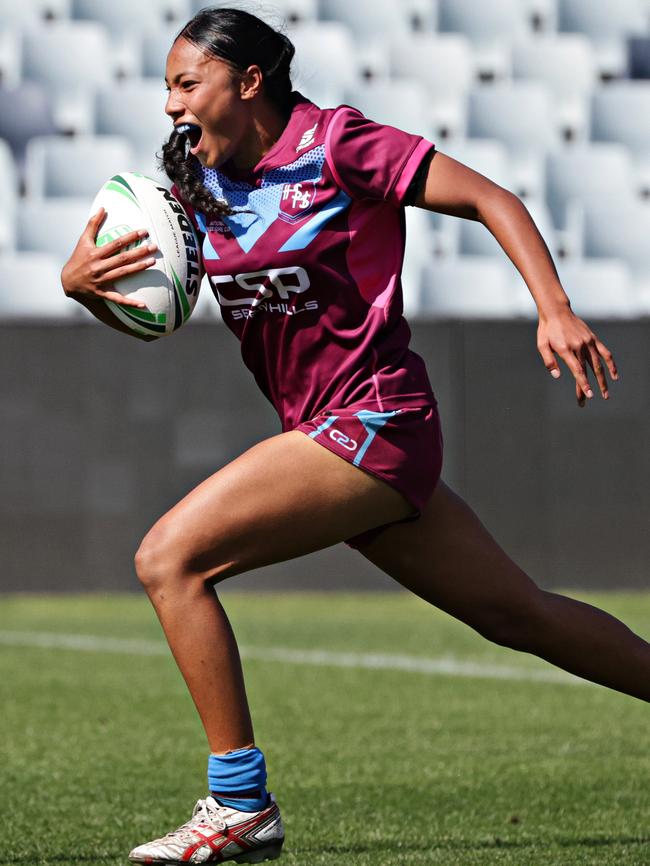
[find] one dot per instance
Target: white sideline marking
(445, 666)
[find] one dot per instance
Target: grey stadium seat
(65, 53)
(368, 19)
(621, 112)
(31, 288)
(519, 114)
(57, 166)
(276, 12)
(607, 23)
(587, 173)
(70, 59)
(34, 118)
(155, 46)
(488, 157)
(599, 289)
(483, 22)
(444, 65)
(135, 109)
(638, 57)
(27, 13)
(126, 15)
(325, 61)
(620, 228)
(418, 254)
(468, 288)
(11, 53)
(490, 26)
(567, 65)
(400, 103)
(9, 183)
(51, 225)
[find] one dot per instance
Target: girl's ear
(250, 84)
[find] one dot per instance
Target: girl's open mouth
(194, 135)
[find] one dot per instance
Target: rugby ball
(170, 287)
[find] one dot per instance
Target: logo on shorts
(342, 439)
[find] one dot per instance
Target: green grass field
(101, 748)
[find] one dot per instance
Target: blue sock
(238, 779)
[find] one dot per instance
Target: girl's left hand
(567, 335)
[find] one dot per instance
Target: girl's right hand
(90, 271)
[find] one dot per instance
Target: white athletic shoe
(216, 834)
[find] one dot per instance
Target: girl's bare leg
(285, 497)
(448, 558)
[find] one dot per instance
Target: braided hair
(241, 40)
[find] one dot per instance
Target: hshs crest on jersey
(297, 199)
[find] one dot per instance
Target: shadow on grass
(62, 858)
(383, 847)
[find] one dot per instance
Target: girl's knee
(161, 558)
(168, 560)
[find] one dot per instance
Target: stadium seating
(369, 20)
(9, 183)
(155, 46)
(445, 67)
(30, 12)
(490, 27)
(606, 23)
(541, 15)
(314, 72)
(396, 103)
(600, 289)
(418, 254)
(621, 112)
(519, 114)
(136, 110)
(468, 288)
(31, 288)
(276, 12)
(486, 156)
(567, 65)
(51, 226)
(10, 58)
(555, 134)
(69, 59)
(638, 57)
(63, 53)
(56, 166)
(619, 228)
(583, 174)
(125, 15)
(33, 118)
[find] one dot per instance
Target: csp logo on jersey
(296, 199)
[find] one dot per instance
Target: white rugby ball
(170, 287)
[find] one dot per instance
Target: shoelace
(202, 813)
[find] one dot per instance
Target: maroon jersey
(307, 268)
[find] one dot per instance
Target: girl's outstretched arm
(453, 188)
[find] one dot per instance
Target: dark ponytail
(241, 40)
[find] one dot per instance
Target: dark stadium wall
(101, 434)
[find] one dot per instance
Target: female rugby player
(300, 214)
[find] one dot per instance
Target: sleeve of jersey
(370, 160)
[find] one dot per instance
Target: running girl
(300, 212)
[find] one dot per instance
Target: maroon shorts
(401, 446)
